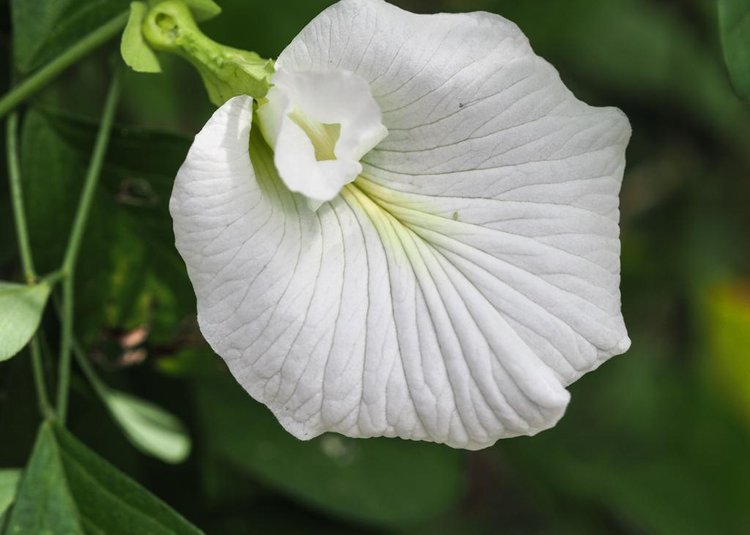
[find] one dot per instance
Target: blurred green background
(654, 442)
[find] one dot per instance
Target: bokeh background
(655, 442)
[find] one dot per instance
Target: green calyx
(170, 26)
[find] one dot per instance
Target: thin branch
(16, 191)
(74, 243)
(49, 72)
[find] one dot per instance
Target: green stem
(27, 262)
(46, 74)
(37, 366)
(19, 212)
(74, 243)
(92, 176)
(53, 278)
(66, 338)
(97, 384)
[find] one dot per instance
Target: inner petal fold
(320, 124)
(323, 136)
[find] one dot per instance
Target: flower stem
(74, 243)
(46, 74)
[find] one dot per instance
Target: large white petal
(453, 291)
(520, 178)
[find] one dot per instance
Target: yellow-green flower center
(323, 136)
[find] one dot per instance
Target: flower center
(320, 125)
(323, 136)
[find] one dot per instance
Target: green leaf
(42, 29)
(8, 484)
(664, 459)
(384, 481)
(69, 489)
(734, 23)
(52, 188)
(133, 48)
(203, 9)
(21, 309)
(139, 152)
(149, 427)
(147, 279)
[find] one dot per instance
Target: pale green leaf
(149, 427)
(69, 489)
(21, 309)
(8, 484)
(734, 22)
(133, 48)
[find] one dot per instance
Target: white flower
(444, 279)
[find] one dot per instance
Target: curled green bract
(170, 26)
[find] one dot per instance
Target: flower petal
(455, 288)
(336, 98)
(520, 180)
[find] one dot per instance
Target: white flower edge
(453, 291)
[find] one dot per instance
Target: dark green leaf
(149, 283)
(734, 22)
(645, 453)
(148, 154)
(130, 273)
(69, 489)
(52, 188)
(19, 411)
(42, 29)
(21, 309)
(385, 481)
